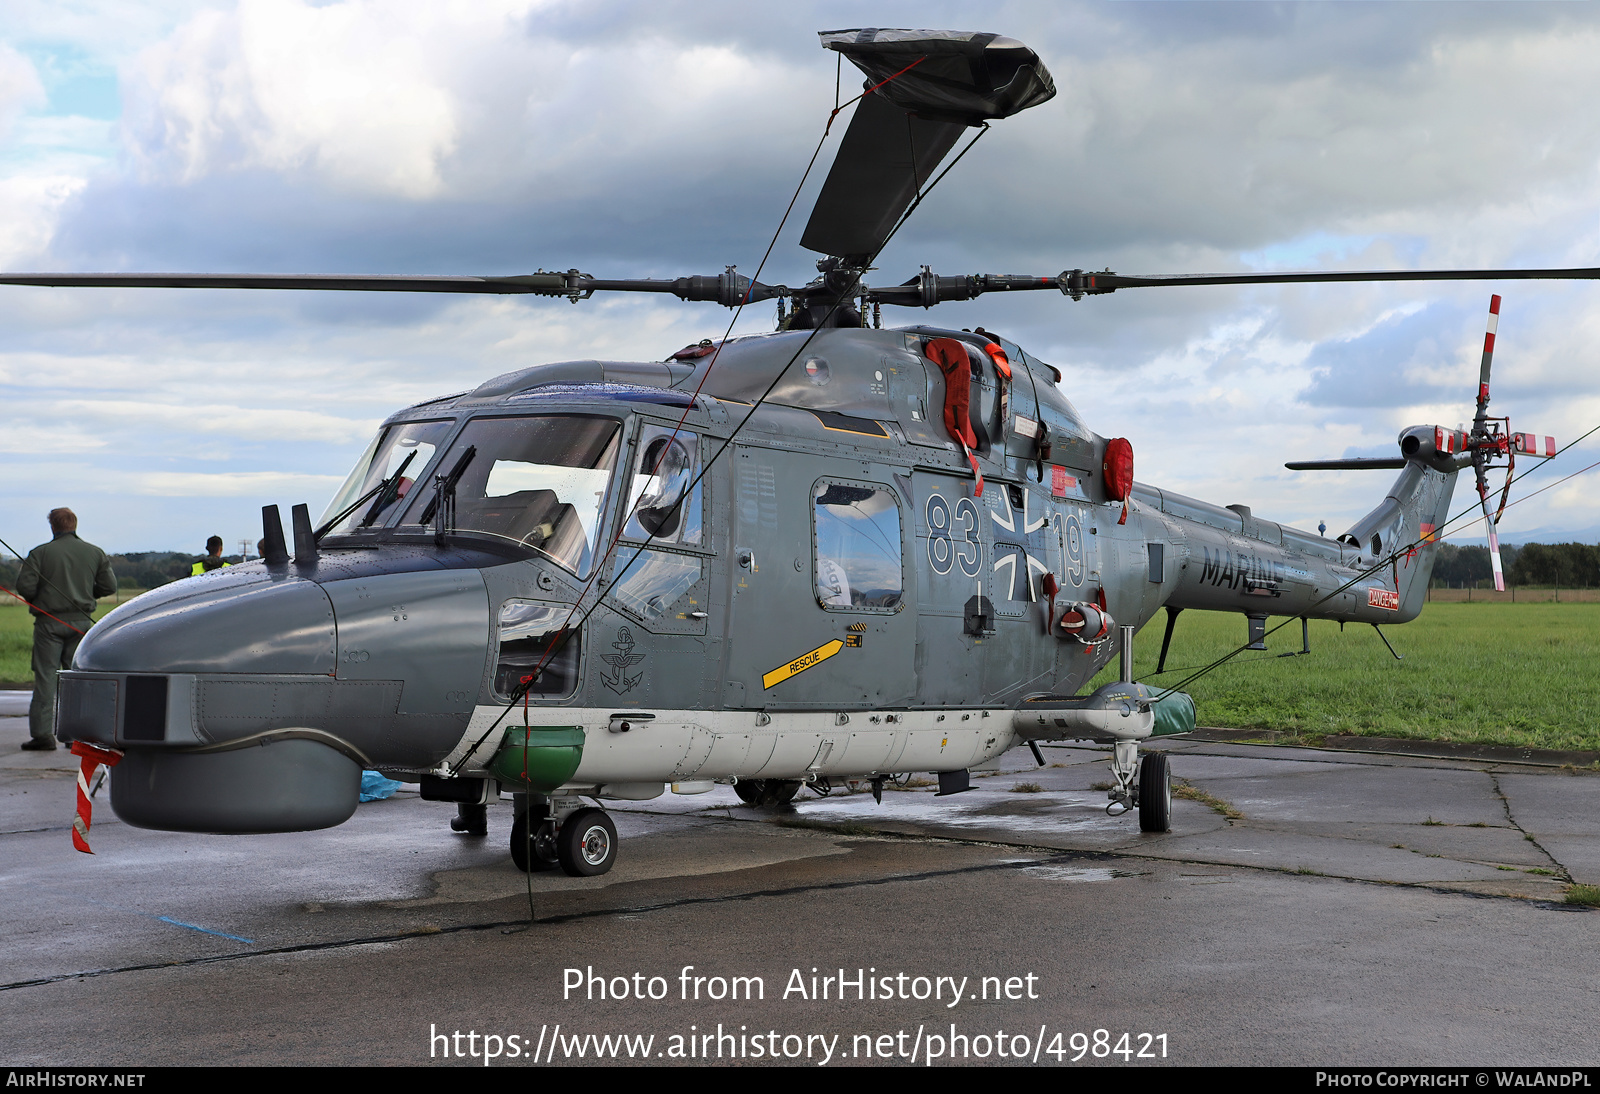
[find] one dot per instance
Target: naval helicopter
(835, 551)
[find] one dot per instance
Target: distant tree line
(136, 570)
(1562, 565)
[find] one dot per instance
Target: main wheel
(1155, 793)
(782, 791)
(586, 843)
(544, 845)
(767, 791)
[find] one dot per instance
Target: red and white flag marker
(92, 758)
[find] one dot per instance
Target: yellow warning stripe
(801, 663)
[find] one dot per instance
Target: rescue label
(1387, 599)
(801, 663)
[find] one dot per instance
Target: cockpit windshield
(536, 481)
(404, 448)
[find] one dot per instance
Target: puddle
(1049, 812)
(1073, 873)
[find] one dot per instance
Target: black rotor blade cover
(884, 159)
(962, 76)
(903, 128)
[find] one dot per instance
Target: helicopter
(834, 551)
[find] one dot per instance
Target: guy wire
(567, 629)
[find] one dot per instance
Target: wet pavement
(1308, 907)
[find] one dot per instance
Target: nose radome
(251, 621)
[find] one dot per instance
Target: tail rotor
(1491, 440)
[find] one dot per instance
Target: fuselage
(710, 583)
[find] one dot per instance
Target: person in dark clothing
(213, 559)
(61, 581)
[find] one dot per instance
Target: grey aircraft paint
(809, 582)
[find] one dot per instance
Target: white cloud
(661, 139)
(346, 91)
(222, 484)
(19, 86)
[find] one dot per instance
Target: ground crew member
(60, 580)
(213, 559)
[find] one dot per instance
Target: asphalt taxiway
(1319, 907)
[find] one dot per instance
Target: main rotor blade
(1085, 282)
(924, 88)
(728, 289)
(548, 284)
(928, 289)
(884, 160)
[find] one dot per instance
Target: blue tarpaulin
(374, 787)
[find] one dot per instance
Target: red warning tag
(1061, 482)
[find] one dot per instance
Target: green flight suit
(63, 578)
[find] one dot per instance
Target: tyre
(586, 843)
(767, 791)
(544, 845)
(782, 791)
(1155, 793)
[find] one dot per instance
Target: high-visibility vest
(200, 567)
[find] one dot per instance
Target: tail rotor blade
(1494, 547)
(1488, 360)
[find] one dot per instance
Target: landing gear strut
(1143, 784)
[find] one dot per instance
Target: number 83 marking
(951, 546)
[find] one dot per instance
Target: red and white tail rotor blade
(1488, 355)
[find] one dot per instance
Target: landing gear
(1155, 793)
(543, 845)
(1143, 784)
(767, 791)
(586, 843)
(579, 839)
(1124, 765)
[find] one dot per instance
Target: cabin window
(664, 504)
(650, 583)
(528, 631)
(408, 445)
(538, 482)
(856, 536)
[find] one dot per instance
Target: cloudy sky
(662, 138)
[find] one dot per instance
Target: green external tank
(537, 759)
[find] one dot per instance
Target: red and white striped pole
(92, 758)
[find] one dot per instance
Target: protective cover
(1174, 714)
(967, 77)
(901, 131)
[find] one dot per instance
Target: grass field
(16, 639)
(1514, 674)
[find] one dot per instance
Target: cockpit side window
(856, 536)
(664, 502)
(536, 481)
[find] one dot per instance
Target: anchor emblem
(621, 662)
